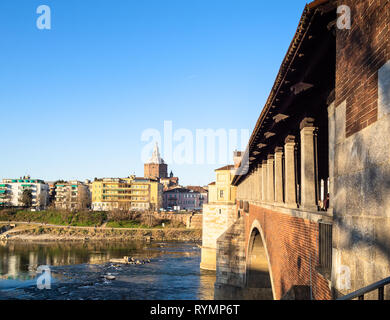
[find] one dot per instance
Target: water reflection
(174, 273)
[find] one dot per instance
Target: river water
(77, 271)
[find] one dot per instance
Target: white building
(11, 191)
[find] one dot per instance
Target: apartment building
(132, 193)
(189, 198)
(72, 195)
(203, 194)
(11, 191)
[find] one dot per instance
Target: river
(77, 271)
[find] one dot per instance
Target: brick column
(279, 175)
(308, 165)
(264, 181)
(270, 179)
(290, 188)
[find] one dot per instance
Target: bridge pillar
(270, 179)
(308, 164)
(290, 192)
(279, 175)
(264, 181)
(250, 185)
(259, 182)
(253, 184)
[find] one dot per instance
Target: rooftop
(180, 190)
(228, 167)
(285, 86)
(197, 189)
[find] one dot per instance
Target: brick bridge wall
(292, 248)
(290, 242)
(360, 52)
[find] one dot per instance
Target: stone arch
(258, 266)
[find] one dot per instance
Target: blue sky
(76, 99)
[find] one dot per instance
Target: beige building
(221, 191)
(169, 182)
(133, 193)
(219, 213)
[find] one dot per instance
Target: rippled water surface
(78, 270)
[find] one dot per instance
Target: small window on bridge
(325, 248)
(246, 206)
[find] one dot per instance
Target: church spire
(156, 156)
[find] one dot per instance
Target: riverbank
(114, 219)
(40, 232)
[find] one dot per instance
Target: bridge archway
(258, 270)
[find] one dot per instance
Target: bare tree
(67, 201)
(83, 197)
(27, 198)
(41, 200)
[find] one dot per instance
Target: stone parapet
(231, 257)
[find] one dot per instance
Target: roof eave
(303, 26)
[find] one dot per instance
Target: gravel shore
(33, 232)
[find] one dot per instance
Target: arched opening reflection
(258, 276)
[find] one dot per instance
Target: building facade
(72, 195)
(203, 192)
(131, 193)
(11, 191)
(218, 214)
(180, 198)
(169, 182)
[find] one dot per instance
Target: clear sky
(76, 99)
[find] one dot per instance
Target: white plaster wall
(383, 91)
(360, 180)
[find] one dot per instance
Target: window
(325, 248)
(221, 193)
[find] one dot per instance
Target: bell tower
(155, 168)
